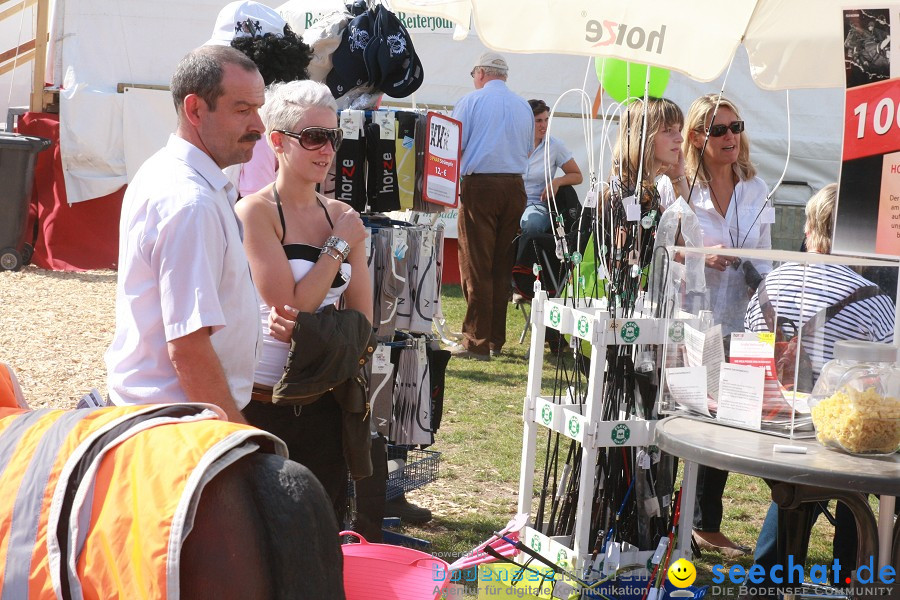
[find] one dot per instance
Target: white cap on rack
(245, 18)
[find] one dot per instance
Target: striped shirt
(870, 320)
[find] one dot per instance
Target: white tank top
(274, 355)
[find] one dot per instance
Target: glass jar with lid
(856, 400)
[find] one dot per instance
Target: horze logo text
(606, 33)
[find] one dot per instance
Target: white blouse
(741, 227)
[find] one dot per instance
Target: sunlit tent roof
(790, 44)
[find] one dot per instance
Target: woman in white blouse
(729, 201)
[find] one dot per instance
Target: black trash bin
(18, 154)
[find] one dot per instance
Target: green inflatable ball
(615, 75)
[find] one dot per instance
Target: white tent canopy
(790, 44)
(104, 135)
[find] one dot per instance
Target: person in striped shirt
(869, 319)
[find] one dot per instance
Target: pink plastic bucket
(390, 572)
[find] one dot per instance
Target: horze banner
(868, 211)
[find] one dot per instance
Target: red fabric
(450, 274)
(80, 237)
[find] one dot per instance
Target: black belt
(519, 175)
(261, 394)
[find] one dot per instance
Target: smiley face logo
(682, 573)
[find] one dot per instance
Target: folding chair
(532, 249)
(540, 249)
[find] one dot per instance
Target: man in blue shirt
(497, 135)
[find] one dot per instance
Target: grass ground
(481, 441)
(55, 327)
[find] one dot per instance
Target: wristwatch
(340, 245)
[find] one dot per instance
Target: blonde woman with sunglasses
(729, 201)
(305, 252)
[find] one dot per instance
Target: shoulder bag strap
(819, 319)
(765, 305)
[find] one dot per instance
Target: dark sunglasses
(720, 129)
(313, 138)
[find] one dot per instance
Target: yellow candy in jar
(860, 422)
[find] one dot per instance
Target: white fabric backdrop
(15, 84)
(149, 118)
(99, 44)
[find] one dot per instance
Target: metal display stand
(583, 423)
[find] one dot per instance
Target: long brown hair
(627, 156)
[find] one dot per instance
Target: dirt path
(54, 329)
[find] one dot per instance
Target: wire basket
(420, 469)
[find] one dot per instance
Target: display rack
(583, 423)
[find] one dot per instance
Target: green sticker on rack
(676, 332)
(574, 426)
(583, 326)
(620, 434)
(555, 316)
(536, 543)
(547, 415)
(630, 331)
(562, 558)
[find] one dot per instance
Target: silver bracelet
(679, 179)
(338, 244)
(332, 252)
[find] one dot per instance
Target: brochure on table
(732, 379)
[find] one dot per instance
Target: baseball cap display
(491, 60)
(349, 68)
(394, 68)
(245, 19)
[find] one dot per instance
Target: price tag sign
(442, 156)
(872, 120)
(352, 122)
(632, 212)
(387, 124)
(867, 219)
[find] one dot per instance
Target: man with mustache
(187, 328)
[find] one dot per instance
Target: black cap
(348, 60)
(391, 59)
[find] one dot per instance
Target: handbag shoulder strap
(765, 305)
(819, 319)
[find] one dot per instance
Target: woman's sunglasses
(313, 138)
(720, 129)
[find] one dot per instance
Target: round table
(798, 481)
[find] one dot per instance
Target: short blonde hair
(701, 110)
(820, 219)
(286, 103)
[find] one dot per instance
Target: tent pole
(40, 56)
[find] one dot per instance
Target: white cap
(245, 18)
(491, 60)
